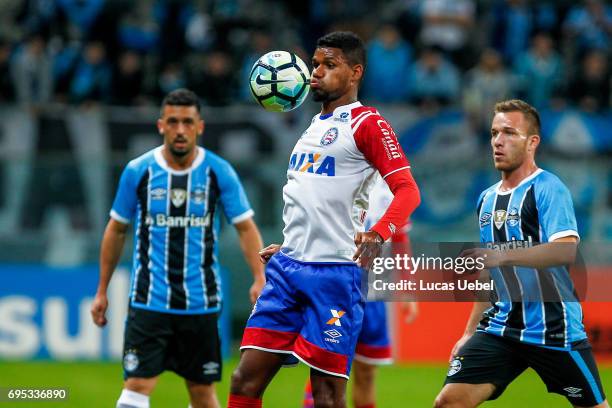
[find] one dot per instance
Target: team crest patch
(485, 219)
(513, 217)
(130, 361)
(198, 196)
(329, 137)
(455, 367)
(499, 218)
(178, 196)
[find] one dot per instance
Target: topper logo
(389, 140)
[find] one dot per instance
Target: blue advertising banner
(44, 313)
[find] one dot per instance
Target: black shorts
(186, 344)
(487, 358)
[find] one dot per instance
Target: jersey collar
(523, 181)
(159, 158)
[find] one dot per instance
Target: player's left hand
(411, 311)
(256, 288)
(490, 258)
(369, 246)
(266, 253)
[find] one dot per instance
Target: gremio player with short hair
(522, 329)
(312, 307)
(174, 194)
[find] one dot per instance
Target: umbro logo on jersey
(485, 219)
(260, 81)
(336, 315)
(158, 193)
(499, 218)
(316, 163)
(178, 196)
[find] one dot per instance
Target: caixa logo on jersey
(315, 163)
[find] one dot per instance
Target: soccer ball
(279, 81)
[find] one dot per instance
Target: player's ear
(160, 126)
(201, 127)
(357, 72)
(534, 142)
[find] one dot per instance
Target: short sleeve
(233, 197)
(556, 210)
(378, 143)
(124, 206)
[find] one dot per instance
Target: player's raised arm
(112, 246)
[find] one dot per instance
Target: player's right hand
(266, 253)
(98, 310)
(458, 346)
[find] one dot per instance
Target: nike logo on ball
(260, 81)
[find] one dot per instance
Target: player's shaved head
(529, 112)
(351, 45)
(181, 97)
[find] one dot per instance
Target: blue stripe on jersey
(587, 374)
(177, 218)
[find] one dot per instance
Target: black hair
(351, 45)
(181, 97)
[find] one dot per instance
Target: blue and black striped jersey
(538, 210)
(176, 222)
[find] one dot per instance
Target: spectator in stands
(31, 72)
(539, 72)
(7, 91)
(589, 25)
(81, 14)
(139, 30)
(212, 79)
(92, 77)
(590, 87)
(486, 84)
(199, 30)
(512, 25)
(170, 78)
(389, 62)
(128, 80)
(447, 24)
(434, 80)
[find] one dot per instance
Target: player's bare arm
(561, 251)
(250, 242)
(112, 246)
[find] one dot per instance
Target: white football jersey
(331, 171)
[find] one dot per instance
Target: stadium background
(80, 85)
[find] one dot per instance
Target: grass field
(93, 385)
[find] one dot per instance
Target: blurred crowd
(429, 53)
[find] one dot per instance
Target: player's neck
(179, 162)
(329, 107)
(511, 179)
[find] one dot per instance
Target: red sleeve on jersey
(377, 141)
(406, 198)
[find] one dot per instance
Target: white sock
(132, 399)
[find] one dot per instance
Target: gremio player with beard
(174, 194)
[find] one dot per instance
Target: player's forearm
(541, 256)
(406, 198)
(110, 253)
(250, 244)
(475, 316)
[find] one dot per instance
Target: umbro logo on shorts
(573, 392)
(336, 315)
(211, 368)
